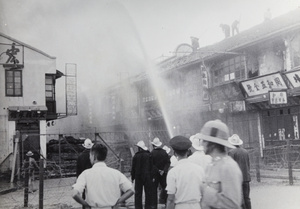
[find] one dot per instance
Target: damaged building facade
(251, 81)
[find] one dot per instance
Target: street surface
(268, 194)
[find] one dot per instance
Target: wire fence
(58, 175)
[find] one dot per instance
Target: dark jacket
(83, 162)
(141, 164)
(240, 155)
(160, 160)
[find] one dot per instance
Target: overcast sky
(108, 39)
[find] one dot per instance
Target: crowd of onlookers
(207, 170)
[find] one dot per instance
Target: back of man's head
(99, 151)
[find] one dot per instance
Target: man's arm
(124, 197)
(171, 201)
(77, 197)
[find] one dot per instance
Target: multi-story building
(27, 99)
(251, 81)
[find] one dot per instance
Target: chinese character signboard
(264, 84)
(278, 97)
(296, 130)
(11, 54)
(294, 78)
(205, 96)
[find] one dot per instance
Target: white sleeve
(80, 183)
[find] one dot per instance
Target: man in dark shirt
(161, 164)
(141, 174)
(241, 156)
(83, 160)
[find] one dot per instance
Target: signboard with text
(71, 89)
(278, 97)
(264, 84)
(294, 78)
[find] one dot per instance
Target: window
(229, 70)
(13, 80)
(49, 87)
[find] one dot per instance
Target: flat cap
(180, 143)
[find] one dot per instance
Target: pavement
(57, 193)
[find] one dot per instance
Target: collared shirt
(224, 180)
(200, 158)
(185, 180)
(173, 161)
(103, 185)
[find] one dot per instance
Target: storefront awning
(27, 108)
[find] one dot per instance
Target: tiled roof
(267, 29)
(256, 34)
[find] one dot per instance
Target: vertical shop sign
(296, 129)
(71, 89)
(205, 96)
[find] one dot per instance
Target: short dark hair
(219, 147)
(100, 151)
(181, 152)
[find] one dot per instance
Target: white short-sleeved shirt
(103, 185)
(173, 161)
(184, 180)
(200, 158)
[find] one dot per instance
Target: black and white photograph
(154, 104)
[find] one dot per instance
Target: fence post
(59, 149)
(257, 167)
(41, 184)
(290, 167)
(26, 170)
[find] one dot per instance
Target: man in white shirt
(184, 181)
(103, 185)
(199, 157)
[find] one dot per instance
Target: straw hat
(156, 142)
(215, 131)
(196, 143)
(235, 140)
(88, 144)
(142, 145)
(167, 149)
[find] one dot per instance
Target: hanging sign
(263, 84)
(294, 78)
(11, 55)
(278, 97)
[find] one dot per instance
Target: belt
(191, 202)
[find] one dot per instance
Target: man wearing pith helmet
(185, 179)
(141, 173)
(161, 164)
(223, 188)
(241, 156)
